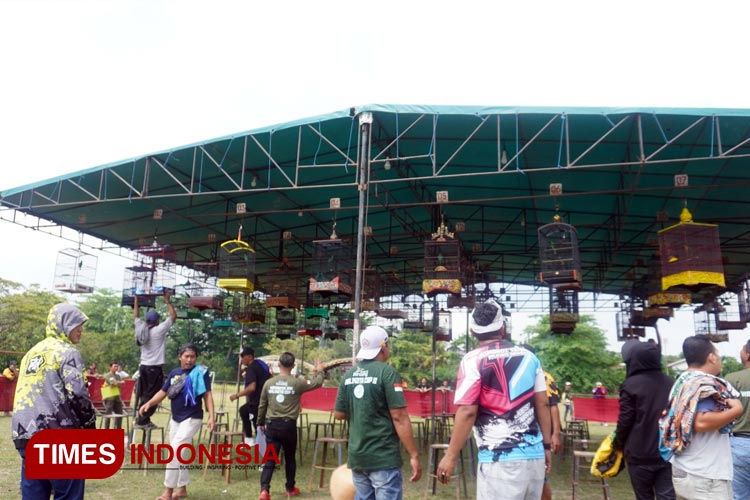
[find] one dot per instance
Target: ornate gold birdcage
(442, 262)
(690, 255)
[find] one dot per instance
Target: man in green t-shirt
(740, 440)
(371, 397)
(277, 417)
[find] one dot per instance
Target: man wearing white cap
(371, 397)
(502, 394)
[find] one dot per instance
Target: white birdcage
(75, 271)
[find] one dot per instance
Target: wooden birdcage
(332, 269)
(75, 271)
(442, 263)
(285, 287)
(248, 309)
(237, 265)
(152, 274)
(370, 290)
(559, 257)
(286, 316)
(203, 293)
(563, 306)
(690, 255)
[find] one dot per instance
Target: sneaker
(250, 441)
(292, 493)
(264, 495)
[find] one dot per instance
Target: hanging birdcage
(413, 305)
(222, 320)
(329, 328)
(625, 330)
(444, 331)
(706, 319)
(370, 290)
(648, 287)
(742, 289)
(237, 265)
(559, 258)
(728, 313)
(343, 319)
(152, 274)
(690, 255)
(391, 295)
(442, 262)
(248, 309)
(286, 316)
(203, 293)
(75, 271)
(284, 286)
(563, 306)
(331, 269)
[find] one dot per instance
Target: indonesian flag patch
(398, 388)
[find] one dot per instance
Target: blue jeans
(41, 489)
(378, 484)
(741, 460)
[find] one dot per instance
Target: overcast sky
(86, 83)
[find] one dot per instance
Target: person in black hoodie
(643, 396)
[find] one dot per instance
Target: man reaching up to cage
(151, 336)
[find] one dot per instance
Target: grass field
(133, 484)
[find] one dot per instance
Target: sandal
(177, 495)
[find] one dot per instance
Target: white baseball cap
(372, 339)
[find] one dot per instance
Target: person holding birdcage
(151, 336)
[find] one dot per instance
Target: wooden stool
(226, 437)
(316, 426)
(582, 461)
(432, 466)
(113, 416)
(146, 431)
(322, 467)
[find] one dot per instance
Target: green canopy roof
(617, 175)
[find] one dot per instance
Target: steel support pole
(365, 129)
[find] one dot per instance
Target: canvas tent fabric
(495, 174)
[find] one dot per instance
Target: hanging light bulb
(254, 182)
(387, 165)
(503, 157)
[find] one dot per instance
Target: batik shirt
(502, 379)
